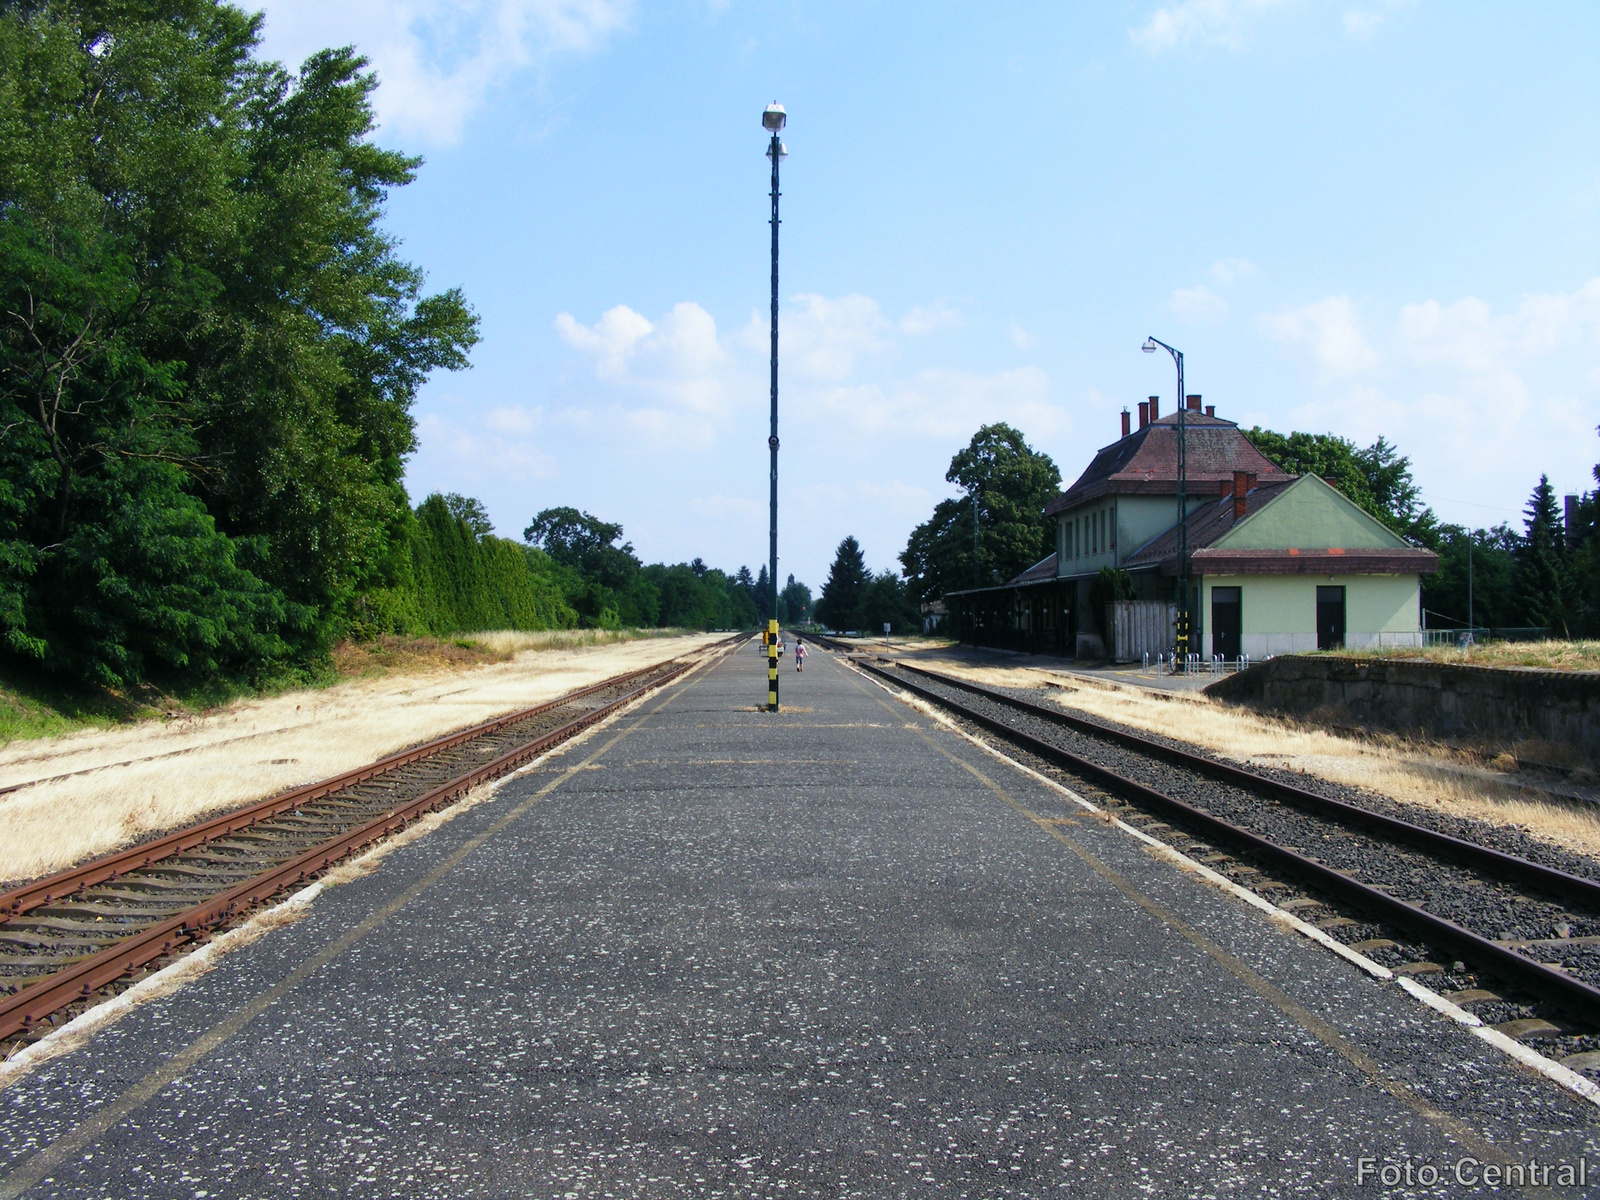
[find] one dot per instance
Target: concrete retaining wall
(1537, 715)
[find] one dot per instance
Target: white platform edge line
(1564, 1076)
(86, 1023)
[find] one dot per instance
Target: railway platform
(834, 951)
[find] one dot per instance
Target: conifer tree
(839, 606)
(1541, 576)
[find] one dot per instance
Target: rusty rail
(22, 1010)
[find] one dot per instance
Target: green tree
(206, 342)
(586, 543)
(886, 600)
(1013, 483)
(470, 512)
(763, 596)
(1493, 556)
(794, 602)
(1378, 478)
(1543, 588)
(839, 606)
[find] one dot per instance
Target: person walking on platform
(799, 655)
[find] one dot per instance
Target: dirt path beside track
(90, 792)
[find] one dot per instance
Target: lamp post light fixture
(773, 120)
(1181, 658)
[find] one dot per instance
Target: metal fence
(1194, 664)
(1484, 633)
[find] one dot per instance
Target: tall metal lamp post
(1149, 347)
(773, 121)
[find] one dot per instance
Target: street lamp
(1149, 347)
(773, 120)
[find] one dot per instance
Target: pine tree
(839, 606)
(763, 596)
(1541, 583)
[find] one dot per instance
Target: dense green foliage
(208, 347)
(1012, 483)
(794, 603)
(467, 579)
(856, 599)
(606, 584)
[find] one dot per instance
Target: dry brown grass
(1426, 777)
(90, 792)
(1552, 655)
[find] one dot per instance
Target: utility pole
(773, 120)
(1149, 347)
(1471, 624)
(977, 578)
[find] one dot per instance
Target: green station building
(1278, 563)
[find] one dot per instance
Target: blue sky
(1370, 217)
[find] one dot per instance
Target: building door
(1330, 618)
(1227, 622)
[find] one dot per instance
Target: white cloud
(1329, 331)
(1468, 335)
(462, 442)
(438, 59)
(945, 403)
(1362, 23)
(722, 508)
(1226, 270)
(1199, 304)
(514, 420)
(1021, 338)
(823, 338)
(679, 360)
(930, 319)
(611, 340)
(1219, 21)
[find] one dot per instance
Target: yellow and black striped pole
(772, 666)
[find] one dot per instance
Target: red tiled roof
(1145, 463)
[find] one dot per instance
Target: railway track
(70, 938)
(1514, 940)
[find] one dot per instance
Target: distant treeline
(456, 576)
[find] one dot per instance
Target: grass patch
(1552, 655)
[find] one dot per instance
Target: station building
(1277, 563)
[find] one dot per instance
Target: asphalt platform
(836, 951)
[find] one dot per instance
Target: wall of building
(1130, 522)
(1280, 611)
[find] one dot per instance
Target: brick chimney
(1126, 422)
(1144, 413)
(1211, 410)
(1194, 403)
(1243, 481)
(1155, 408)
